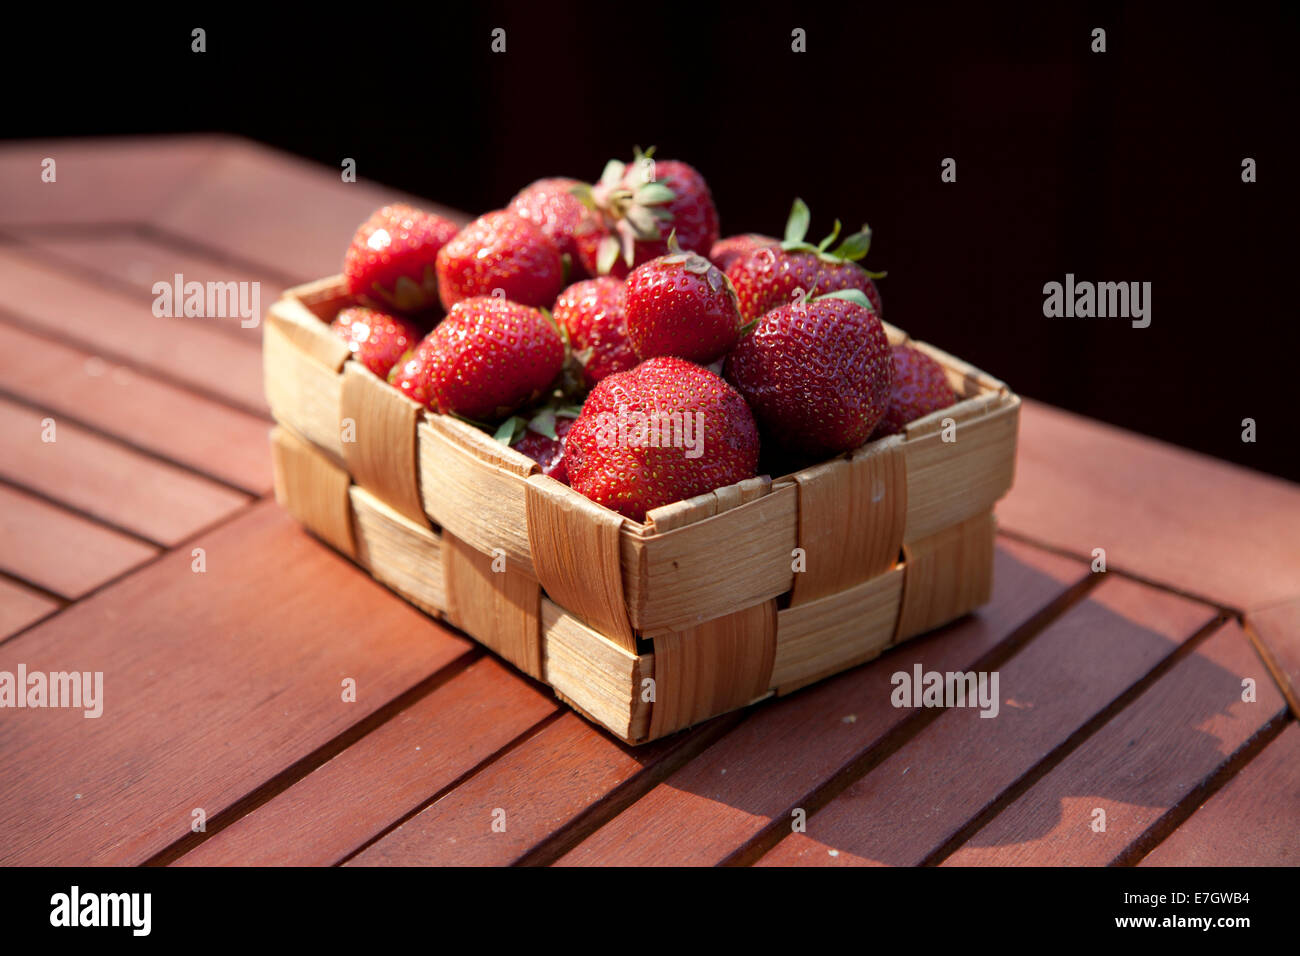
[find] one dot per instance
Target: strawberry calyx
(540, 419)
(407, 295)
(694, 263)
(856, 296)
(631, 205)
(572, 382)
(852, 248)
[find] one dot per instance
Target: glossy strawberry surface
(547, 451)
(485, 359)
(593, 313)
(500, 251)
(551, 205)
(768, 277)
(681, 304)
(410, 374)
(920, 386)
(377, 340)
(728, 250)
(391, 261)
(666, 430)
(817, 375)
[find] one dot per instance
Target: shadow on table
(786, 747)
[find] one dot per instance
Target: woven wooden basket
(713, 603)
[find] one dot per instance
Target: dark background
(1121, 166)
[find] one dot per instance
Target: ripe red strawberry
(681, 304)
(768, 277)
(500, 251)
(485, 359)
(637, 207)
(390, 263)
(377, 340)
(410, 374)
(817, 375)
(593, 314)
(547, 451)
(664, 431)
(726, 251)
(551, 205)
(920, 387)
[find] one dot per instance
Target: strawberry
(664, 431)
(390, 263)
(637, 207)
(376, 340)
(681, 304)
(920, 387)
(546, 450)
(817, 374)
(485, 359)
(410, 374)
(726, 251)
(769, 276)
(593, 314)
(551, 205)
(500, 251)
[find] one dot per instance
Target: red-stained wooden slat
(542, 785)
(140, 410)
(98, 180)
(108, 481)
(213, 684)
(118, 324)
(1212, 529)
(1276, 632)
(1151, 757)
(761, 770)
(60, 551)
(279, 211)
(20, 606)
(134, 262)
(1253, 821)
(913, 803)
(386, 774)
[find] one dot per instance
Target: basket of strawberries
(666, 473)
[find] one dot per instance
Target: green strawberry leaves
(542, 421)
(796, 227)
(835, 233)
(654, 194)
(607, 254)
(856, 296)
(511, 430)
(612, 175)
(645, 224)
(631, 204)
(853, 247)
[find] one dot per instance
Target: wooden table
(143, 542)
